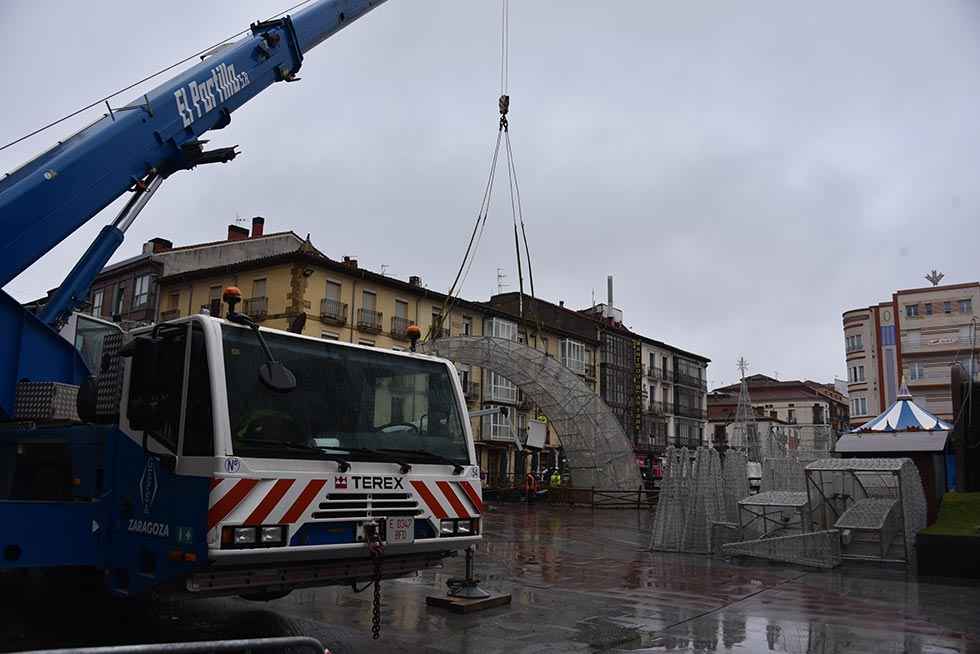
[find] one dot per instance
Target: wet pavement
(582, 581)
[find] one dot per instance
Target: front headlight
(244, 535)
(272, 535)
(463, 528)
(447, 527)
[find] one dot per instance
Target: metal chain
(376, 609)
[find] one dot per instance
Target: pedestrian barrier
(597, 498)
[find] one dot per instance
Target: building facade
(917, 336)
(814, 414)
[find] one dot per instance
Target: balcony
(653, 372)
(333, 311)
(399, 327)
(858, 347)
(169, 314)
(369, 320)
(257, 307)
(689, 411)
(689, 380)
(661, 408)
(936, 343)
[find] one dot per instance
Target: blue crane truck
(206, 456)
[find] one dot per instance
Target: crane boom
(54, 194)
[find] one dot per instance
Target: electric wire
(145, 79)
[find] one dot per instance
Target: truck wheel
(265, 595)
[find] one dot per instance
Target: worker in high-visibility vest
(555, 480)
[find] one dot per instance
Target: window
(572, 355)
(369, 300)
(855, 342)
(947, 307)
(141, 294)
(117, 304)
(911, 310)
(855, 374)
(258, 288)
(173, 301)
(501, 329)
(329, 336)
(97, 302)
(916, 371)
(966, 306)
(198, 424)
(791, 415)
(467, 326)
(501, 389)
(497, 427)
(859, 406)
(440, 326)
(928, 308)
(333, 291)
(401, 309)
(342, 401)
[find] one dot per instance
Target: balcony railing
(689, 411)
(333, 311)
(369, 320)
(937, 343)
(653, 372)
(257, 307)
(169, 314)
(661, 408)
(399, 327)
(689, 380)
(858, 347)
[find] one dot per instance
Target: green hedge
(959, 515)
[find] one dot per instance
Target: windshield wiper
(404, 467)
(342, 464)
(430, 456)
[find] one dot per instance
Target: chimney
(561, 303)
(609, 295)
(258, 224)
(161, 245)
(236, 233)
(148, 247)
(349, 262)
(415, 280)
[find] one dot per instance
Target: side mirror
(277, 376)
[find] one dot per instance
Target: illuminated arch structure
(598, 451)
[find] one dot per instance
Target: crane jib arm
(54, 194)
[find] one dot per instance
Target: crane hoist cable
(517, 212)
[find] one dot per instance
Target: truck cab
(212, 481)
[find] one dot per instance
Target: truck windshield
(346, 400)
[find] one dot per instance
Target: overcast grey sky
(746, 171)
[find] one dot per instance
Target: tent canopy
(903, 427)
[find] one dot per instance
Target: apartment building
(917, 336)
(656, 391)
(814, 414)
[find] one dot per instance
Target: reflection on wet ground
(582, 581)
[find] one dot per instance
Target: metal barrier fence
(597, 498)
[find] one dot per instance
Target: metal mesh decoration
(736, 481)
(706, 503)
(914, 511)
(819, 549)
(599, 453)
(671, 513)
(783, 475)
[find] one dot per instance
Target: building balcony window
(170, 314)
(471, 390)
(661, 408)
(653, 372)
(689, 380)
(333, 311)
(369, 320)
(689, 411)
(399, 327)
(257, 307)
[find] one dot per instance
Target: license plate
(400, 530)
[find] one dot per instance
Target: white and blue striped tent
(903, 427)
